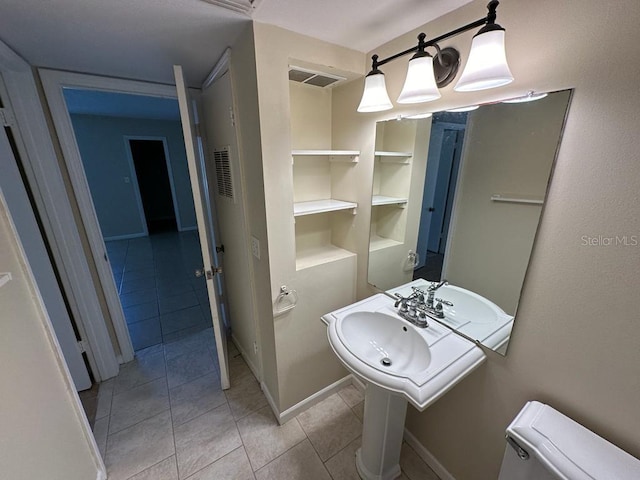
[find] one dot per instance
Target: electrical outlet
(255, 247)
(255, 348)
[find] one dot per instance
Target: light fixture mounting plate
(446, 67)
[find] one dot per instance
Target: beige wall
(576, 341)
(44, 432)
(508, 149)
(305, 363)
(243, 76)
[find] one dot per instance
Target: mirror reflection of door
(443, 164)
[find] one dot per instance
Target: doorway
(441, 179)
(155, 186)
(132, 152)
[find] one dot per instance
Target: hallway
(161, 298)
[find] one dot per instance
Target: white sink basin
(385, 343)
(424, 362)
(471, 314)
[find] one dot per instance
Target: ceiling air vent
(223, 172)
(310, 77)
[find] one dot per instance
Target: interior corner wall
(103, 151)
(245, 90)
(577, 299)
(298, 373)
(43, 433)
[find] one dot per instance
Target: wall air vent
(310, 77)
(224, 178)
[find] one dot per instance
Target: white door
(207, 243)
(36, 253)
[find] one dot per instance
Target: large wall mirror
(458, 196)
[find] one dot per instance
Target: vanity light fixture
(486, 67)
(531, 96)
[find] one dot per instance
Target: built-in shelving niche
(322, 221)
(324, 199)
(391, 185)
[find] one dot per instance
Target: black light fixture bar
(490, 18)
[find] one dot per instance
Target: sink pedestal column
(382, 433)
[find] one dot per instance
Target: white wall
(102, 147)
(576, 337)
(44, 431)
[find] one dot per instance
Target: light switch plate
(255, 247)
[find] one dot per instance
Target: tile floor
(164, 417)
(160, 295)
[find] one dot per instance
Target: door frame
(41, 161)
(47, 182)
(134, 174)
(54, 82)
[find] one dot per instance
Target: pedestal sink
(399, 363)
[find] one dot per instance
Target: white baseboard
(427, 456)
(247, 359)
(125, 237)
(298, 408)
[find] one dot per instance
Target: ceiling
(95, 102)
(142, 39)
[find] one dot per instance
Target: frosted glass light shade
(487, 64)
(420, 84)
(375, 97)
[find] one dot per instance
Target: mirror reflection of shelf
(376, 242)
(347, 156)
(515, 198)
(403, 158)
(385, 200)
(5, 277)
(322, 206)
(311, 257)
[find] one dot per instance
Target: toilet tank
(543, 444)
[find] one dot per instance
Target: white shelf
(321, 255)
(334, 155)
(384, 200)
(377, 242)
(513, 198)
(321, 206)
(394, 157)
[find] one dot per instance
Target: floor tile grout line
(283, 453)
(150, 467)
(217, 460)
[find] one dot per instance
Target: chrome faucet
(415, 308)
(431, 292)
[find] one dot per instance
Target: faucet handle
(433, 287)
(444, 302)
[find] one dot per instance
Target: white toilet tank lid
(567, 448)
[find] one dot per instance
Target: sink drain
(386, 362)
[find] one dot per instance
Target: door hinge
(7, 118)
(232, 117)
(220, 249)
(82, 346)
